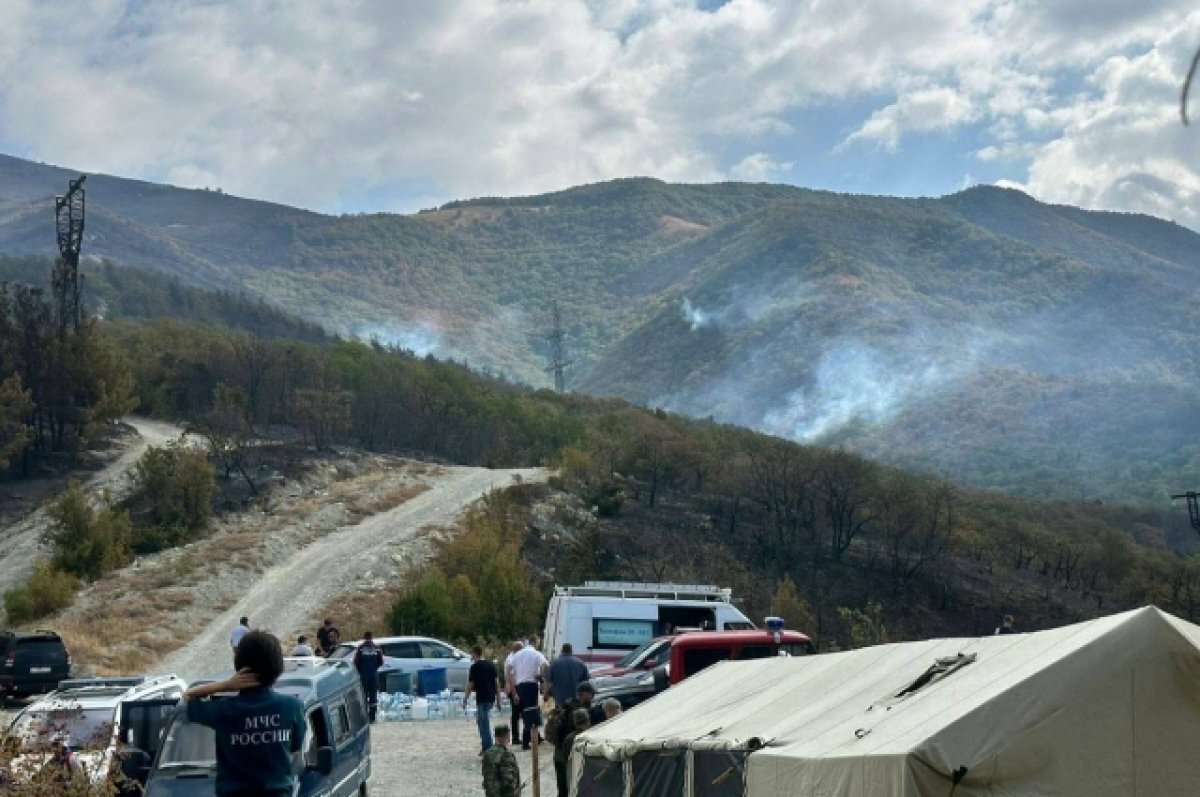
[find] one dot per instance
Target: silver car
(413, 653)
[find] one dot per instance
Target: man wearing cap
(501, 776)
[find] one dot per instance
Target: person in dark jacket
(579, 720)
(367, 660)
(259, 732)
(565, 676)
(327, 637)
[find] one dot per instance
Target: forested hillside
(1041, 350)
(643, 494)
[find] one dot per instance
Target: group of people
(328, 638)
(528, 678)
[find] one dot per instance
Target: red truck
(668, 660)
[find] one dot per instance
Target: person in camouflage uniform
(501, 776)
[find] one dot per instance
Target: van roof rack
(111, 682)
(636, 589)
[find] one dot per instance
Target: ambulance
(604, 620)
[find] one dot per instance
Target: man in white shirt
(528, 666)
(510, 689)
(239, 631)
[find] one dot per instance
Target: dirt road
(285, 597)
(20, 542)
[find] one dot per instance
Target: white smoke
(695, 316)
(856, 383)
(420, 338)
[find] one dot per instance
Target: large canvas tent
(1102, 708)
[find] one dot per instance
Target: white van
(604, 620)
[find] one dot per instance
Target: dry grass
(135, 616)
(115, 643)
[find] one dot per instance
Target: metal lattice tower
(68, 223)
(1193, 505)
(559, 363)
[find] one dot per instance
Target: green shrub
(48, 590)
(178, 483)
(86, 542)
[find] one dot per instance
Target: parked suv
(413, 653)
(32, 662)
(94, 724)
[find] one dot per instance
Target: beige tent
(1103, 708)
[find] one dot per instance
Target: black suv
(32, 662)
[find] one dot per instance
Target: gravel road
(20, 543)
(285, 597)
(439, 758)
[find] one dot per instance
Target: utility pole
(68, 222)
(559, 363)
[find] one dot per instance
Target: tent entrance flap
(718, 773)
(659, 773)
(601, 778)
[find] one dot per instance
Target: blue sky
(394, 105)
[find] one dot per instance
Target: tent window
(659, 773)
(719, 773)
(601, 778)
(941, 669)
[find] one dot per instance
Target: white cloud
(759, 168)
(921, 110)
(1124, 148)
(323, 104)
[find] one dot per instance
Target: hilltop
(1039, 349)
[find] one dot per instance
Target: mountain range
(1002, 342)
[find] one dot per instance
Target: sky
(396, 105)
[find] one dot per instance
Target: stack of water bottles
(444, 705)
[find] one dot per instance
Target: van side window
(341, 723)
(358, 709)
(318, 736)
(758, 652)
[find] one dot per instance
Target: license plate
(38, 670)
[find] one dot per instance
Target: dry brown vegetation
(133, 617)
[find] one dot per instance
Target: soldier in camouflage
(501, 777)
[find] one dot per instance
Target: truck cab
(669, 660)
(693, 652)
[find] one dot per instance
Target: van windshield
(188, 745)
(77, 728)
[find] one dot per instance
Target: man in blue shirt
(566, 674)
(259, 730)
(367, 660)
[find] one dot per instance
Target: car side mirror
(325, 760)
(661, 679)
(459, 655)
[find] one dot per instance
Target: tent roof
(846, 705)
